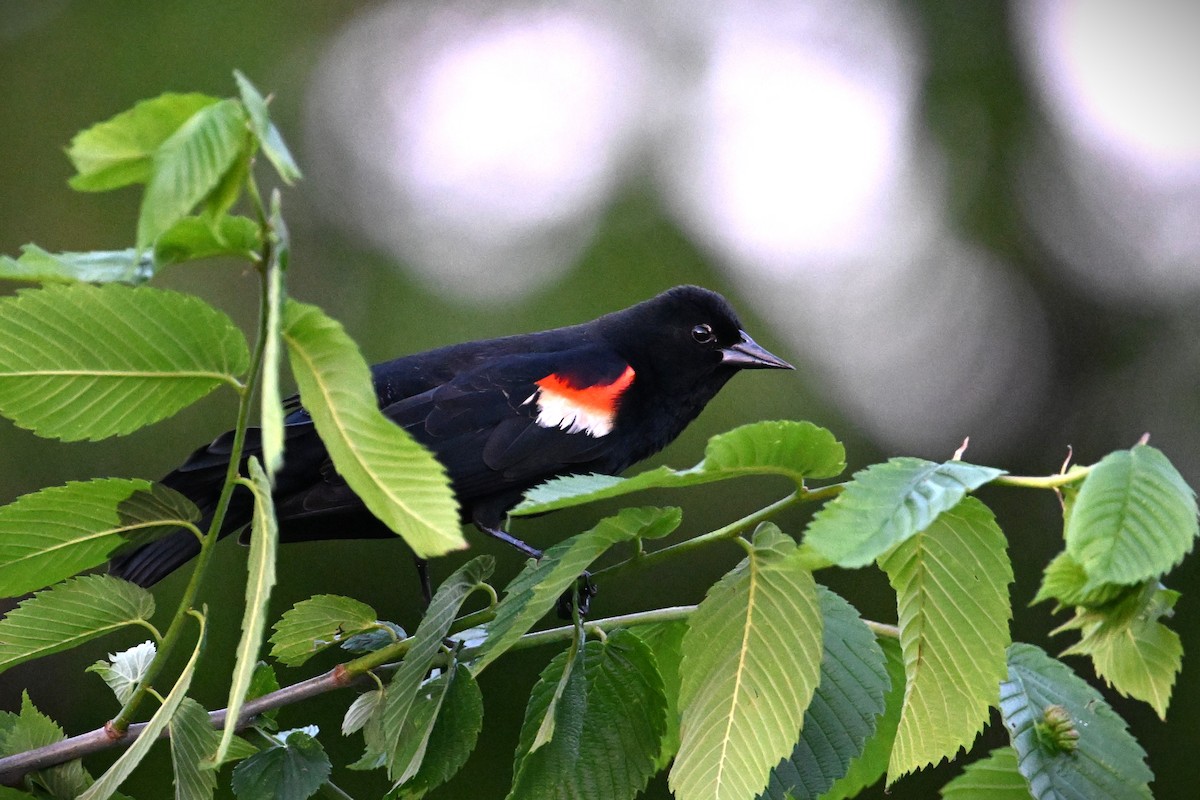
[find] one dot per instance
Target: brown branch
(14, 768)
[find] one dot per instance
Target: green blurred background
(956, 219)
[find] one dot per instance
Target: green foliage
(147, 352)
(796, 450)
(55, 533)
(1065, 581)
(99, 266)
(844, 708)
(993, 778)
(394, 716)
(189, 166)
(886, 504)
(1130, 647)
(121, 150)
(757, 630)
(872, 762)
(535, 591)
(1107, 762)
(193, 744)
(1134, 518)
(611, 702)
(30, 729)
(264, 539)
(456, 727)
(271, 422)
(123, 671)
(772, 686)
(397, 479)
(69, 614)
(294, 769)
(107, 784)
(269, 137)
(194, 238)
(665, 640)
(951, 583)
(316, 623)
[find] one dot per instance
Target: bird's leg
(510, 540)
(423, 573)
(583, 591)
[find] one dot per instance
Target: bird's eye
(703, 334)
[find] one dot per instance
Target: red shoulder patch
(579, 409)
(597, 398)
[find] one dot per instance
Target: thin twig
(14, 768)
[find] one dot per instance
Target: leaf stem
(729, 531)
(120, 723)
(1074, 475)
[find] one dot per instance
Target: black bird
(502, 415)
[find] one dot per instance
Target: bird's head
(686, 336)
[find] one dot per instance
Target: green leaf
(1134, 518)
(316, 623)
(295, 770)
(844, 708)
(272, 403)
(55, 533)
(610, 722)
(262, 682)
(97, 266)
(993, 778)
(571, 678)
(537, 588)
(120, 150)
(396, 478)
(665, 640)
(1107, 763)
(268, 135)
(193, 742)
(32, 729)
(951, 584)
(872, 762)
(409, 754)
(796, 450)
(264, 539)
(1130, 648)
(360, 711)
(221, 199)
(193, 238)
(752, 658)
(401, 693)
(887, 503)
(189, 165)
(69, 614)
(1065, 581)
(452, 739)
(124, 670)
(108, 783)
(87, 362)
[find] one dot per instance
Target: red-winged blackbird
(502, 415)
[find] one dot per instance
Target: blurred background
(956, 219)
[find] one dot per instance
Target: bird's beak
(748, 354)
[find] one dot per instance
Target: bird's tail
(150, 563)
(200, 479)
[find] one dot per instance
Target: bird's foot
(423, 575)
(578, 596)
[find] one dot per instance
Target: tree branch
(14, 768)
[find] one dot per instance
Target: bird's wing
(517, 419)
(500, 425)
